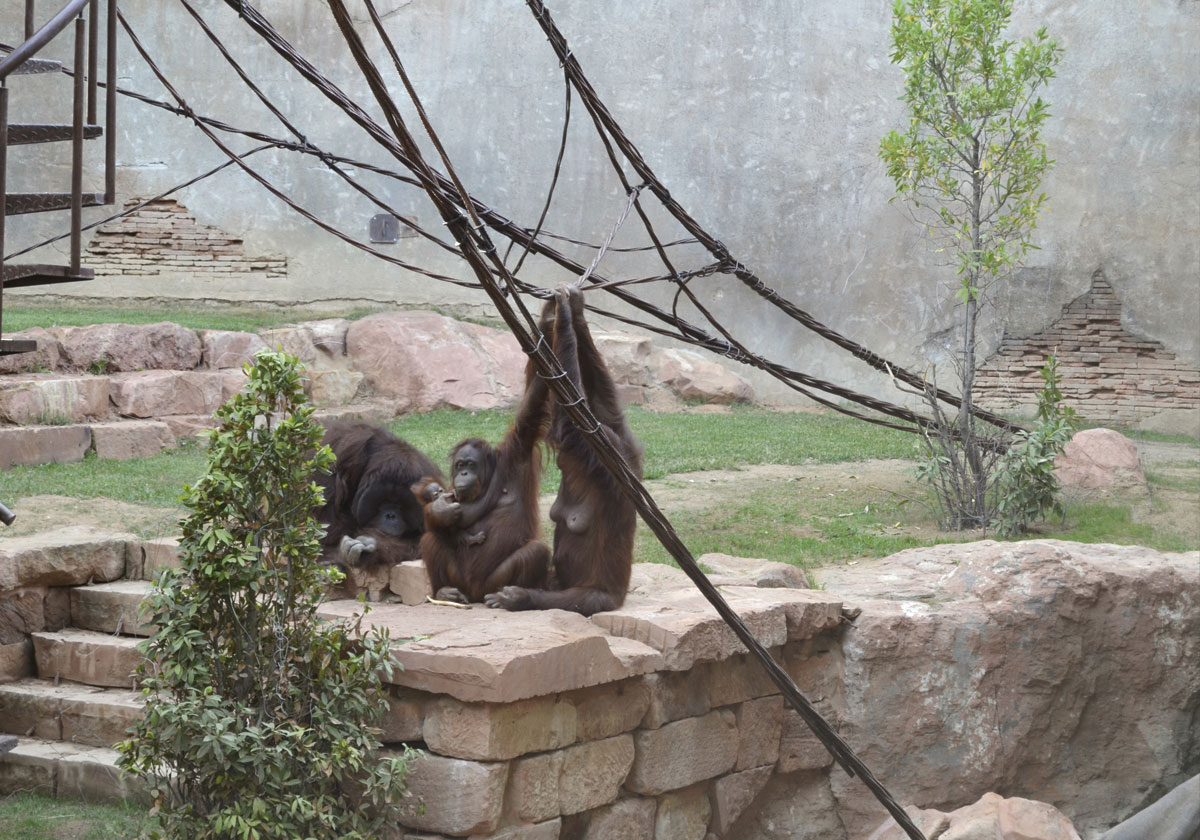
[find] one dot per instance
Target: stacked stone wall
(162, 238)
(1109, 374)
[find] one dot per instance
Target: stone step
(110, 607)
(57, 768)
(80, 714)
(88, 657)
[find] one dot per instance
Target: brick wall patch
(1109, 374)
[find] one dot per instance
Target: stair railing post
(110, 107)
(28, 19)
(93, 58)
(3, 186)
(77, 148)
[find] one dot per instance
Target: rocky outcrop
(992, 817)
(1061, 672)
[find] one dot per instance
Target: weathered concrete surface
(767, 133)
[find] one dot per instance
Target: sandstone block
(693, 377)
(405, 716)
(426, 361)
(492, 731)
(469, 795)
(87, 657)
(738, 679)
(154, 393)
(798, 807)
(22, 611)
(734, 793)
(332, 386)
(608, 710)
(329, 335)
(155, 555)
(686, 629)
(110, 607)
(232, 382)
(47, 398)
(799, 748)
(410, 581)
(131, 439)
(549, 830)
(188, 426)
(627, 357)
(683, 753)
(683, 815)
(23, 446)
(493, 656)
(66, 557)
(229, 348)
(533, 787)
(129, 347)
(296, 340)
(92, 774)
(674, 696)
(32, 766)
(16, 661)
(629, 819)
(592, 773)
(80, 714)
(46, 357)
(759, 723)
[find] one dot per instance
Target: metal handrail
(43, 36)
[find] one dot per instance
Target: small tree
(258, 720)
(971, 163)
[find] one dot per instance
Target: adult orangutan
(483, 533)
(371, 514)
(594, 521)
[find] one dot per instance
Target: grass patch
(1114, 523)
(17, 317)
(33, 817)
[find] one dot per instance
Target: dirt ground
(1172, 503)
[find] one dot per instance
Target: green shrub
(259, 718)
(1026, 488)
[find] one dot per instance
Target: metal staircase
(82, 17)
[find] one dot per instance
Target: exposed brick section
(1109, 375)
(162, 238)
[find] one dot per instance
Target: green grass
(32, 817)
(18, 317)
(786, 522)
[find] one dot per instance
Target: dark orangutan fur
(594, 522)
(483, 533)
(370, 512)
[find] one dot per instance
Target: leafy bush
(1026, 488)
(259, 718)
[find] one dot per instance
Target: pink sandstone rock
(43, 444)
(427, 361)
(131, 439)
(695, 377)
(128, 347)
(1099, 459)
(53, 398)
(991, 818)
(228, 348)
(153, 393)
(46, 357)
(1052, 670)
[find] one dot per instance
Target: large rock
(157, 393)
(426, 361)
(129, 347)
(27, 445)
(692, 376)
(45, 357)
(993, 817)
(229, 348)
(1099, 459)
(1061, 672)
(66, 557)
(47, 398)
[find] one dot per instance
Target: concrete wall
(763, 120)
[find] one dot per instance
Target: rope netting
(472, 224)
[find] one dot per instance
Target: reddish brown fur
(474, 547)
(374, 467)
(594, 520)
